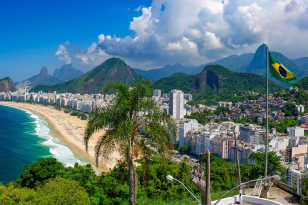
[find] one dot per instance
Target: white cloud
(93, 56)
(197, 31)
(63, 54)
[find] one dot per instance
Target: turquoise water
(24, 138)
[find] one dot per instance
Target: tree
(274, 164)
(132, 112)
(222, 110)
(305, 189)
(17, 195)
(290, 110)
(40, 171)
(201, 117)
(60, 191)
(285, 123)
(183, 149)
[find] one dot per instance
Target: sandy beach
(71, 130)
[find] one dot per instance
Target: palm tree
(131, 118)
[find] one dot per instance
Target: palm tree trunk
(132, 176)
(136, 185)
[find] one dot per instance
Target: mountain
(66, 73)
(6, 85)
(236, 63)
(43, 78)
(258, 63)
(214, 83)
(303, 83)
(302, 62)
(168, 70)
(112, 70)
(248, 62)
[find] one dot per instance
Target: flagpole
(266, 137)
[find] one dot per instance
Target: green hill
(215, 83)
(236, 63)
(303, 83)
(112, 70)
(6, 85)
(156, 74)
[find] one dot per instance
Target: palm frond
(105, 145)
(99, 119)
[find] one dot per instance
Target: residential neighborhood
(218, 135)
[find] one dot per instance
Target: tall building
(296, 131)
(157, 93)
(176, 104)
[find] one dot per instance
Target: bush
(40, 171)
(61, 191)
(290, 110)
(17, 195)
(184, 149)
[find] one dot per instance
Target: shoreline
(70, 131)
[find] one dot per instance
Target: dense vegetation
(215, 83)
(201, 117)
(303, 83)
(47, 181)
(290, 110)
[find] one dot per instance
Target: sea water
(24, 138)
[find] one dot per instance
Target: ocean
(24, 138)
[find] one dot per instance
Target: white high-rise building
(176, 104)
(157, 93)
(296, 131)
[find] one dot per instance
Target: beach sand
(71, 130)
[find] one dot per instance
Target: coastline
(70, 131)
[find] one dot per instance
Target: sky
(145, 33)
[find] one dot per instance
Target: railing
(286, 188)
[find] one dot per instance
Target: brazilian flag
(280, 72)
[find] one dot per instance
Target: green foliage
(274, 164)
(215, 83)
(59, 191)
(79, 114)
(184, 149)
(301, 97)
(180, 81)
(285, 123)
(112, 188)
(39, 171)
(247, 120)
(201, 117)
(12, 195)
(290, 110)
(282, 125)
(222, 110)
(305, 189)
(303, 83)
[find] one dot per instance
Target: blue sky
(31, 30)
(145, 33)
